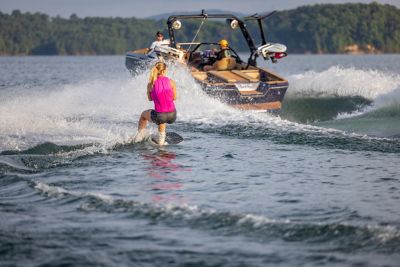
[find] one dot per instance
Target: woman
(162, 91)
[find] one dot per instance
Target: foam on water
(106, 110)
(338, 81)
(391, 99)
(56, 191)
(379, 87)
(87, 112)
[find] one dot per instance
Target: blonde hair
(158, 69)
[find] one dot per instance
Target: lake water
(317, 185)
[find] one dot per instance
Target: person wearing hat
(154, 47)
(223, 57)
(224, 51)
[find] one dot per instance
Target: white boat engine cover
(268, 50)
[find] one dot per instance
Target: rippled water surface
(317, 185)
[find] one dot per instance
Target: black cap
(159, 33)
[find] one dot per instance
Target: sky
(143, 9)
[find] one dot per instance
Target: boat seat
(225, 64)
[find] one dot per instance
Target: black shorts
(163, 117)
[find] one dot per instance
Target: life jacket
(163, 95)
(224, 53)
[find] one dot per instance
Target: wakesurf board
(171, 138)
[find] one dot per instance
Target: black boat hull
(267, 97)
(135, 62)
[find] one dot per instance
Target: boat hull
(135, 62)
(245, 88)
(267, 97)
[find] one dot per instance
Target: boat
(238, 83)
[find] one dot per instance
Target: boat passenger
(224, 60)
(162, 91)
(155, 46)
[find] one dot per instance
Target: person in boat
(162, 91)
(155, 46)
(224, 58)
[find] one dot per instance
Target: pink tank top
(162, 95)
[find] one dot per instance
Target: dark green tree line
(332, 28)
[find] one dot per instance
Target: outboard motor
(272, 51)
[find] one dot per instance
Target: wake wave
(391, 100)
(338, 81)
(264, 229)
(341, 93)
(106, 111)
(314, 109)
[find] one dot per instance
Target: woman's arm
(173, 85)
(149, 88)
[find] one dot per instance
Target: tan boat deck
(236, 76)
(232, 77)
(245, 74)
